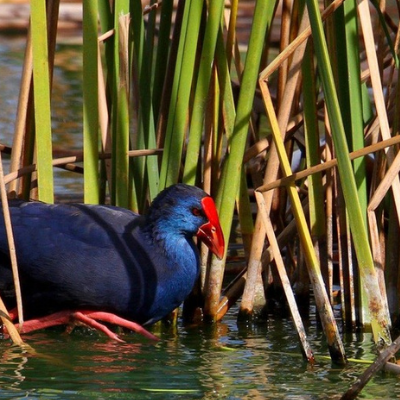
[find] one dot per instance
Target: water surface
(206, 362)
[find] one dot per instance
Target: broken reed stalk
(68, 163)
(308, 353)
(379, 363)
(324, 307)
(25, 107)
(253, 269)
(235, 289)
(11, 244)
(329, 164)
(11, 329)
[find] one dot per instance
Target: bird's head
(189, 211)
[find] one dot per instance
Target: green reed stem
(315, 188)
(202, 90)
(163, 47)
(182, 84)
(41, 83)
(90, 102)
(146, 136)
(353, 119)
(120, 193)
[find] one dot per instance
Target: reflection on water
(192, 363)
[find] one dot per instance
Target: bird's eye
(196, 211)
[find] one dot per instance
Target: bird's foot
(87, 317)
(90, 317)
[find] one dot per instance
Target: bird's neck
(177, 246)
(178, 267)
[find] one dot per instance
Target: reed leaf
(315, 187)
(352, 111)
(263, 14)
(41, 82)
(145, 135)
(202, 88)
(120, 193)
(182, 83)
(224, 78)
(90, 102)
(163, 51)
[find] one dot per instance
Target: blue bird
(95, 262)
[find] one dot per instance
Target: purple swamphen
(93, 262)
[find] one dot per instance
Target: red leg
(115, 320)
(85, 316)
(59, 318)
(79, 316)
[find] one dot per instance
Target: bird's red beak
(211, 232)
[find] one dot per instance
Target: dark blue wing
(80, 256)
